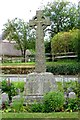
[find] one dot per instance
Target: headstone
(4, 97)
(17, 97)
(39, 82)
(72, 95)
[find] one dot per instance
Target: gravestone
(72, 95)
(39, 82)
(4, 97)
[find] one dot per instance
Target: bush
(65, 69)
(17, 105)
(53, 101)
(8, 88)
(61, 42)
(65, 42)
(60, 86)
(37, 107)
(19, 85)
(13, 87)
(72, 105)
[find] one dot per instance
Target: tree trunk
(23, 52)
(24, 56)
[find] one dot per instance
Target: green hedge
(64, 69)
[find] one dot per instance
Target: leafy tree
(74, 39)
(20, 32)
(61, 42)
(65, 42)
(63, 16)
(47, 46)
(78, 45)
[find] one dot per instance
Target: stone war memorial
(39, 82)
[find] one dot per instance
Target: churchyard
(61, 106)
(41, 95)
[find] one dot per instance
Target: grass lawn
(41, 115)
(17, 64)
(33, 63)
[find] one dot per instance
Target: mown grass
(41, 115)
(47, 63)
(17, 64)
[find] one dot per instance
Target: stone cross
(39, 22)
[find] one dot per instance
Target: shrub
(17, 105)
(78, 93)
(37, 107)
(65, 69)
(8, 88)
(72, 105)
(53, 101)
(19, 85)
(61, 42)
(65, 42)
(60, 86)
(70, 86)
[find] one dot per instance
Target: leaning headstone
(39, 82)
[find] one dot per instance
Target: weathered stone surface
(17, 97)
(72, 95)
(4, 97)
(39, 83)
(41, 23)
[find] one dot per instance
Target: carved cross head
(39, 19)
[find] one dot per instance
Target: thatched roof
(7, 49)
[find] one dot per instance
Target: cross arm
(47, 22)
(32, 23)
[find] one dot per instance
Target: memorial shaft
(41, 23)
(40, 50)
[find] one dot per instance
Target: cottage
(9, 51)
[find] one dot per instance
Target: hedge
(64, 69)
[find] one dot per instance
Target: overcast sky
(24, 9)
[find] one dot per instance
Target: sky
(23, 9)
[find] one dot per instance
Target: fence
(49, 57)
(66, 55)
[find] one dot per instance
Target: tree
(63, 16)
(20, 32)
(47, 46)
(78, 45)
(60, 43)
(65, 42)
